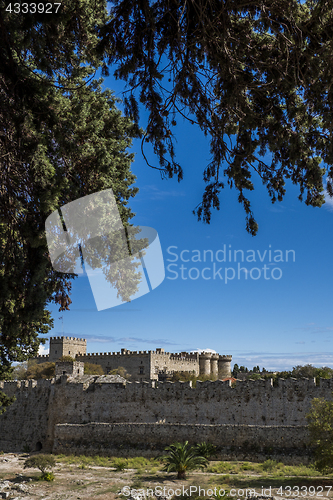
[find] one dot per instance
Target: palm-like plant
(206, 450)
(182, 458)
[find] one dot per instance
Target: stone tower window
(141, 369)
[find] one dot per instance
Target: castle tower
(214, 365)
(205, 363)
(224, 364)
(66, 346)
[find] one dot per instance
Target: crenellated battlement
(68, 338)
(297, 385)
(179, 358)
(13, 386)
(114, 354)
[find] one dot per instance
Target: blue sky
(277, 322)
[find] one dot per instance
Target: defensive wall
(41, 406)
(285, 442)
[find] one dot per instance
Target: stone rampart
(231, 441)
(41, 405)
(25, 423)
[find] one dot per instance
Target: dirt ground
(72, 482)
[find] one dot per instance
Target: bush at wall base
(43, 463)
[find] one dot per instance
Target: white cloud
(204, 350)
(312, 328)
(283, 361)
(154, 193)
(43, 350)
(328, 200)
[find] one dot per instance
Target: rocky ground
(70, 481)
(79, 482)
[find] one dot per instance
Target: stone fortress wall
(72, 414)
(141, 365)
(77, 413)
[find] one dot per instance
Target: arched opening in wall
(39, 446)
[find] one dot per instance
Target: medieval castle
(141, 365)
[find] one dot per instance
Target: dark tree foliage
(5, 401)
(310, 371)
(61, 138)
(255, 76)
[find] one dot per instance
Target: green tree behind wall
(320, 423)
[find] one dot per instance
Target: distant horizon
(44, 351)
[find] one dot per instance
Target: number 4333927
(33, 8)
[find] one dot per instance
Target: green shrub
(269, 465)
(220, 467)
(93, 369)
(41, 462)
(119, 464)
(244, 466)
(121, 371)
(41, 371)
(206, 450)
(47, 476)
(66, 359)
(320, 424)
(220, 481)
